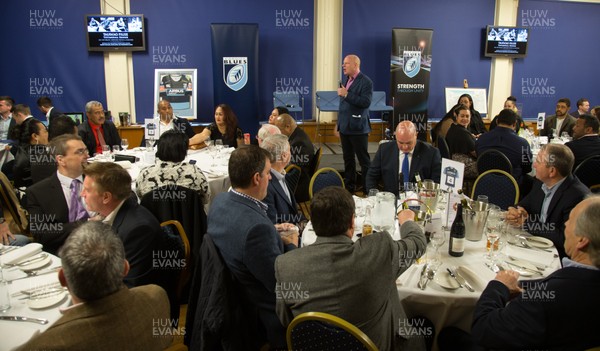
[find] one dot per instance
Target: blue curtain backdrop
(562, 58)
(456, 52)
(45, 54)
(178, 36)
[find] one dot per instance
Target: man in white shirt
(560, 122)
(6, 120)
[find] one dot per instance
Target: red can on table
(247, 138)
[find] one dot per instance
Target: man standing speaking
(353, 123)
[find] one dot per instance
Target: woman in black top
(476, 126)
(462, 143)
(33, 137)
(225, 127)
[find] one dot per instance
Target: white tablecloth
(13, 334)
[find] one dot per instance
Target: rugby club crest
(411, 63)
(235, 72)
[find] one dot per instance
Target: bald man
(397, 163)
(353, 124)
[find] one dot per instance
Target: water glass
(372, 197)
(4, 293)
(150, 143)
(106, 152)
(482, 198)
(124, 144)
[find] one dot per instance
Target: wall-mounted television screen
(506, 41)
(115, 32)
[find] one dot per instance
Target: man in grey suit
(389, 161)
(560, 122)
(353, 281)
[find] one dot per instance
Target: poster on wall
(178, 86)
(410, 68)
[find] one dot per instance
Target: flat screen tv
(115, 32)
(506, 41)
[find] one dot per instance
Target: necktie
(101, 137)
(76, 210)
(405, 171)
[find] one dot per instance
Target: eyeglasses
(80, 152)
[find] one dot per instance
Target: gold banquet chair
(10, 202)
(323, 331)
(323, 178)
(499, 186)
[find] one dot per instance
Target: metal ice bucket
(429, 193)
(475, 220)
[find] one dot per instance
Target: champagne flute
(124, 144)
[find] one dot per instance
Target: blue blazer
(353, 116)
(584, 147)
(281, 209)
(426, 160)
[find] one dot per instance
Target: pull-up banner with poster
(235, 70)
(410, 70)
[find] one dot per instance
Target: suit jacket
(385, 165)
(142, 236)
(281, 209)
(516, 149)
(129, 319)
(249, 244)
(49, 214)
(53, 113)
(353, 115)
(584, 147)
(556, 313)
(550, 123)
(303, 151)
(567, 196)
(354, 281)
(111, 135)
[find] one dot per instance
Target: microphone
(340, 83)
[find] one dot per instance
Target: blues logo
(235, 72)
(411, 63)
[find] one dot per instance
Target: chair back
(588, 171)
(379, 102)
(442, 145)
(177, 264)
(493, 159)
(292, 176)
(323, 331)
(499, 186)
(173, 202)
(10, 202)
(291, 101)
(315, 163)
(327, 101)
(323, 178)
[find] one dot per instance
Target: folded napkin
(124, 164)
(471, 277)
(536, 257)
(21, 253)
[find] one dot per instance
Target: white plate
(523, 272)
(471, 278)
(50, 301)
(36, 264)
(539, 242)
(444, 280)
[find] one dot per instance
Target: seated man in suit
(280, 197)
(54, 204)
(516, 149)
(532, 315)
(413, 155)
(303, 151)
(169, 121)
(546, 208)
(107, 191)
(586, 141)
(353, 281)
(105, 314)
(97, 131)
(560, 122)
(248, 241)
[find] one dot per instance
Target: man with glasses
(54, 204)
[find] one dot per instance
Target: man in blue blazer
(386, 166)
(280, 197)
(353, 123)
(248, 241)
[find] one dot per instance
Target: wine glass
(219, 145)
(208, 143)
(437, 239)
(150, 143)
(492, 233)
(124, 144)
(106, 152)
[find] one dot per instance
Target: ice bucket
(475, 220)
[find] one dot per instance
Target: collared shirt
(163, 127)
(48, 114)
(65, 184)
(263, 206)
(548, 198)
(111, 216)
(95, 129)
(4, 125)
(281, 179)
(351, 79)
(567, 262)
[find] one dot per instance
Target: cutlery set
(428, 274)
(462, 282)
(37, 272)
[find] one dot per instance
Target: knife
(36, 273)
(464, 281)
(454, 276)
(24, 319)
(523, 267)
(423, 278)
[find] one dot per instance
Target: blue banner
(45, 54)
(562, 57)
(458, 28)
(235, 51)
(179, 37)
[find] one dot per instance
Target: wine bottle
(418, 179)
(456, 246)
